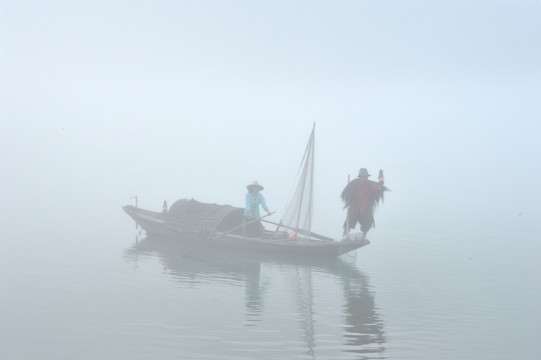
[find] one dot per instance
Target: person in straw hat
(361, 197)
(254, 199)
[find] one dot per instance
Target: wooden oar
(241, 225)
(227, 232)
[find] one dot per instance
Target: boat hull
(155, 223)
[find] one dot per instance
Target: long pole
(241, 225)
(226, 233)
(346, 230)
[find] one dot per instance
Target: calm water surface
(113, 293)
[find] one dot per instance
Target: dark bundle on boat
(193, 216)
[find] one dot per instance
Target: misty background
(104, 100)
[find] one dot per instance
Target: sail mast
(299, 211)
(308, 166)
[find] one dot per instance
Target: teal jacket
(253, 200)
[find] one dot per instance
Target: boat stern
(351, 242)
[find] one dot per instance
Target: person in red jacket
(361, 197)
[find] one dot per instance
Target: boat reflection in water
(328, 300)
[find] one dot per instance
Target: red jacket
(363, 192)
(358, 194)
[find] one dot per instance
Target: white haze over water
(101, 101)
(104, 100)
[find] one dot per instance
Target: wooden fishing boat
(211, 225)
(205, 226)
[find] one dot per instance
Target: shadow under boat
(200, 252)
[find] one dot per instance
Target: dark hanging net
(192, 215)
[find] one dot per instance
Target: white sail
(298, 214)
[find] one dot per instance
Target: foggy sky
(104, 100)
